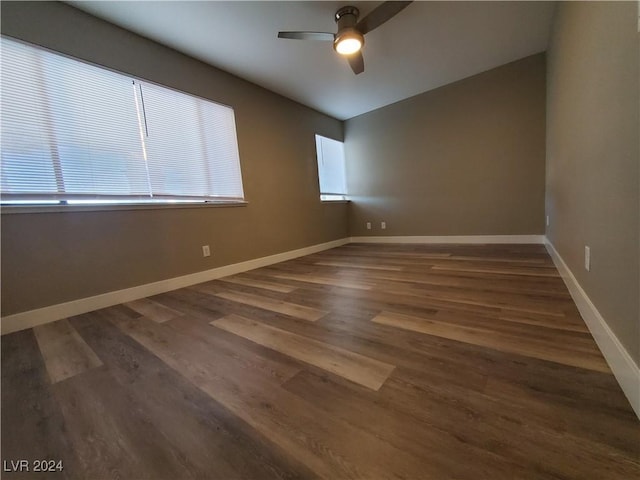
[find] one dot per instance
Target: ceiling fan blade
(356, 62)
(379, 15)
(326, 36)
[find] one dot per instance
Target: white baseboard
(481, 239)
(32, 318)
(622, 365)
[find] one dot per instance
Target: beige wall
(464, 159)
(592, 156)
(48, 258)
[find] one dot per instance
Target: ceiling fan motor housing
(347, 18)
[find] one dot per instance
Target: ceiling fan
(349, 39)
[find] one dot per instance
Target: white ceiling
(427, 45)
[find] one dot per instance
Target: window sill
(335, 201)
(13, 209)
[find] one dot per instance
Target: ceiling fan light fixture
(351, 30)
(348, 43)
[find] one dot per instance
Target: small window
(331, 169)
(75, 133)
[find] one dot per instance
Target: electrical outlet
(587, 258)
(547, 220)
(368, 225)
(383, 225)
(206, 251)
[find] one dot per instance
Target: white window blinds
(73, 131)
(188, 145)
(331, 167)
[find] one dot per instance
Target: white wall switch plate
(587, 258)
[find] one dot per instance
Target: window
(74, 133)
(330, 153)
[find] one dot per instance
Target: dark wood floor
(365, 361)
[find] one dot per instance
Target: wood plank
(330, 448)
(540, 444)
(392, 422)
(531, 272)
(153, 310)
(381, 261)
(504, 302)
(571, 338)
(247, 355)
(351, 252)
(279, 306)
(251, 282)
(111, 434)
(33, 426)
(617, 432)
(203, 436)
(65, 352)
(184, 300)
(478, 283)
(362, 370)
(359, 265)
(562, 324)
(546, 262)
(323, 280)
(499, 341)
(469, 425)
